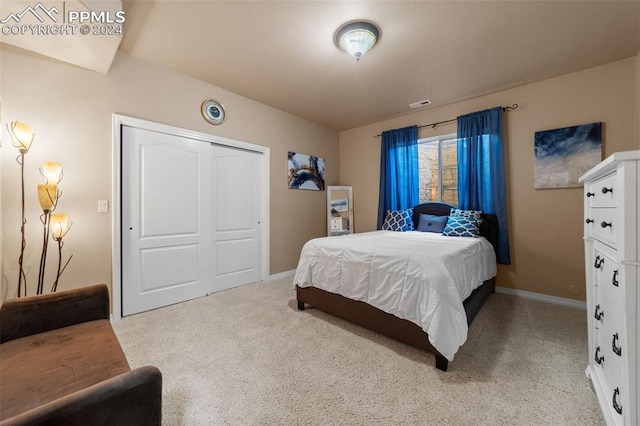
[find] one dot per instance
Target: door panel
(164, 185)
(158, 269)
(236, 205)
(166, 245)
(235, 256)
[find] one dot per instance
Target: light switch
(103, 206)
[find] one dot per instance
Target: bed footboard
(367, 316)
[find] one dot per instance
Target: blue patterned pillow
(432, 223)
(398, 220)
(460, 226)
(466, 213)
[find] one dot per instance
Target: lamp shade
(21, 135)
(52, 172)
(59, 225)
(357, 38)
(47, 195)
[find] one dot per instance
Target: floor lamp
(60, 225)
(48, 196)
(21, 137)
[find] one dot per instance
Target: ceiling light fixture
(357, 38)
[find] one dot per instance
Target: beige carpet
(247, 356)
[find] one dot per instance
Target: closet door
(166, 226)
(236, 201)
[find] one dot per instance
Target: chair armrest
(131, 398)
(37, 314)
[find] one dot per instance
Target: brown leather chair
(62, 364)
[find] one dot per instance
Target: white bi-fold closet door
(190, 218)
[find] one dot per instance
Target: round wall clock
(213, 111)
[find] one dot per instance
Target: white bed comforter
(422, 277)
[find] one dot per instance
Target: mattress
(422, 277)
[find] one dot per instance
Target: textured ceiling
(281, 53)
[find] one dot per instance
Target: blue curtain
(481, 183)
(398, 171)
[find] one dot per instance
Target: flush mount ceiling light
(357, 38)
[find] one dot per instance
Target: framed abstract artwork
(561, 156)
(306, 171)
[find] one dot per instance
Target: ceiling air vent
(420, 103)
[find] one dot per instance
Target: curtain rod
(433, 125)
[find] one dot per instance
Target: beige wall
(545, 226)
(71, 111)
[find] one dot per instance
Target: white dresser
(612, 262)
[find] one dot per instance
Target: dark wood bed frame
(387, 324)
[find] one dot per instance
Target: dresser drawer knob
(617, 406)
(614, 280)
(614, 345)
(598, 263)
(589, 221)
(591, 194)
(605, 224)
(605, 190)
(598, 314)
(599, 358)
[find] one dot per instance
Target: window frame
(440, 139)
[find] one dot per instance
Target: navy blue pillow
(432, 223)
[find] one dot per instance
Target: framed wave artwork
(561, 156)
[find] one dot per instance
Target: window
(438, 166)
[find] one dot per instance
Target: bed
(333, 276)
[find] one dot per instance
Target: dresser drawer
(608, 276)
(607, 361)
(603, 192)
(613, 341)
(601, 223)
(610, 378)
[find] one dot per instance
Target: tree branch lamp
(48, 196)
(21, 137)
(60, 225)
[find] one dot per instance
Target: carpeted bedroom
(248, 356)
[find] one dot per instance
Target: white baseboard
(543, 297)
(281, 275)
